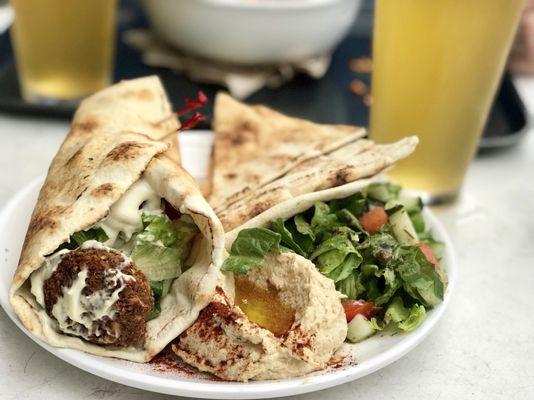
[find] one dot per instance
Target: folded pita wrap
(110, 175)
(255, 145)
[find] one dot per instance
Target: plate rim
(233, 390)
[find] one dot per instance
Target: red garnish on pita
(191, 105)
(192, 122)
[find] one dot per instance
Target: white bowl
(253, 31)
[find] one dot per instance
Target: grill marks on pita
(255, 145)
(358, 160)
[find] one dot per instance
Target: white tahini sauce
(38, 277)
(125, 215)
(74, 311)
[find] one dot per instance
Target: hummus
(309, 323)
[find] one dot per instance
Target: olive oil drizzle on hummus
(263, 306)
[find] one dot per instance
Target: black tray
(327, 100)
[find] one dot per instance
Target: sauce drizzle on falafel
(99, 295)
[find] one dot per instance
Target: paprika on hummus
(309, 323)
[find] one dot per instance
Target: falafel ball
(108, 272)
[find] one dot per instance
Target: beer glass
(436, 67)
(63, 48)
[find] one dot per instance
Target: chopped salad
(374, 245)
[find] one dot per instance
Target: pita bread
(353, 162)
(255, 145)
(94, 167)
(139, 105)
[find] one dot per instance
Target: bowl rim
(272, 4)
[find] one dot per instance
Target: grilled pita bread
(255, 145)
(117, 138)
(355, 161)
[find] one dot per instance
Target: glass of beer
(63, 48)
(436, 67)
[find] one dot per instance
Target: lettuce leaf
(391, 283)
(415, 318)
(380, 247)
(303, 227)
(340, 242)
(323, 219)
(346, 268)
(419, 277)
(406, 319)
(157, 262)
(287, 237)
(348, 218)
(159, 289)
(158, 228)
(354, 204)
(78, 238)
(332, 253)
(396, 312)
(156, 310)
(162, 247)
(250, 248)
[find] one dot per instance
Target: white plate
(371, 355)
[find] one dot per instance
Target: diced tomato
(373, 219)
(359, 307)
(429, 254)
(171, 212)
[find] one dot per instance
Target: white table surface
(482, 349)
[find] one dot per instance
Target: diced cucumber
(401, 224)
(378, 192)
(411, 204)
(382, 192)
(359, 329)
(391, 207)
